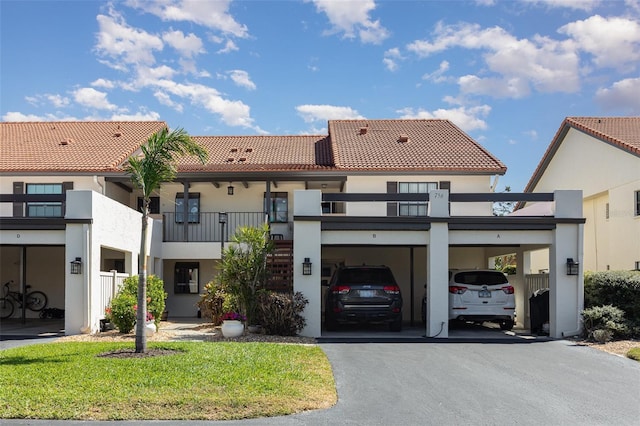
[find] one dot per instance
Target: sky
(506, 72)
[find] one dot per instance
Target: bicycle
(35, 301)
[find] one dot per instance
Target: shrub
(634, 353)
(603, 321)
(123, 315)
(617, 288)
(155, 301)
(281, 313)
(215, 302)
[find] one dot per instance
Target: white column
(438, 267)
(307, 244)
(566, 292)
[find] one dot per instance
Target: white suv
(481, 295)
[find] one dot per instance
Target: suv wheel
(396, 325)
(506, 325)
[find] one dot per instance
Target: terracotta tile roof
(260, 153)
(430, 145)
(71, 146)
(622, 132)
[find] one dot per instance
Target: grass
(206, 381)
(634, 354)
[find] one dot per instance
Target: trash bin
(539, 311)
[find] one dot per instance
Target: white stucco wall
(605, 174)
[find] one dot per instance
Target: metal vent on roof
(242, 159)
(234, 149)
(248, 150)
(117, 134)
(403, 138)
(363, 130)
(66, 141)
(230, 160)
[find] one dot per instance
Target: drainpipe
(86, 279)
(97, 182)
(494, 185)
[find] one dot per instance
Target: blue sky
(506, 72)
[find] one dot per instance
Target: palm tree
(157, 164)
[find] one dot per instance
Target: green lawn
(203, 380)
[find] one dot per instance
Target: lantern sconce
(572, 267)
(76, 266)
(230, 189)
(306, 266)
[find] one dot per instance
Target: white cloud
(585, 5)
(211, 14)
(391, 58)
(165, 99)
(467, 118)
(229, 46)
(139, 116)
(352, 19)
(57, 101)
(121, 42)
(621, 96)
(242, 79)
(613, 42)
(438, 75)
(105, 84)
(188, 46)
(311, 113)
(18, 116)
(90, 97)
(552, 66)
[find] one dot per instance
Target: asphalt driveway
(515, 383)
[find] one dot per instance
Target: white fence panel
(110, 283)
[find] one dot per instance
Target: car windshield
(365, 276)
(481, 278)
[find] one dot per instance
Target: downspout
(97, 182)
(86, 279)
(494, 185)
(579, 288)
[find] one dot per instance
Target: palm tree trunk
(141, 314)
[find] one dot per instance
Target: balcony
(205, 226)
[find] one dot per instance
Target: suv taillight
(507, 289)
(455, 289)
(341, 289)
(391, 289)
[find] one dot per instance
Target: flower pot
(232, 328)
(150, 328)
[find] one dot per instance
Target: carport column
(438, 267)
(307, 244)
(566, 297)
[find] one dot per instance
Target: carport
(436, 243)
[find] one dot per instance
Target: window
(44, 209)
(414, 208)
(154, 205)
(606, 211)
(637, 203)
(193, 207)
(186, 278)
(279, 211)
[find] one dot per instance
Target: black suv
(363, 294)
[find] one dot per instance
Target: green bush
(122, 313)
(634, 353)
(604, 323)
(156, 297)
(281, 313)
(617, 288)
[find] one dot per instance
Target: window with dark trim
(279, 211)
(186, 278)
(154, 205)
(193, 207)
(637, 203)
(44, 209)
(414, 208)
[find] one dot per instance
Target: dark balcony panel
(208, 229)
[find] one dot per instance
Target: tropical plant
(155, 164)
(243, 269)
(123, 315)
(215, 301)
(156, 296)
(281, 313)
(123, 308)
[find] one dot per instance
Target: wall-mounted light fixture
(572, 266)
(222, 220)
(306, 266)
(230, 189)
(76, 266)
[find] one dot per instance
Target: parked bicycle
(35, 301)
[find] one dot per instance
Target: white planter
(150, 328)
(232, 328)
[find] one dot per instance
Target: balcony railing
(205, 226)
